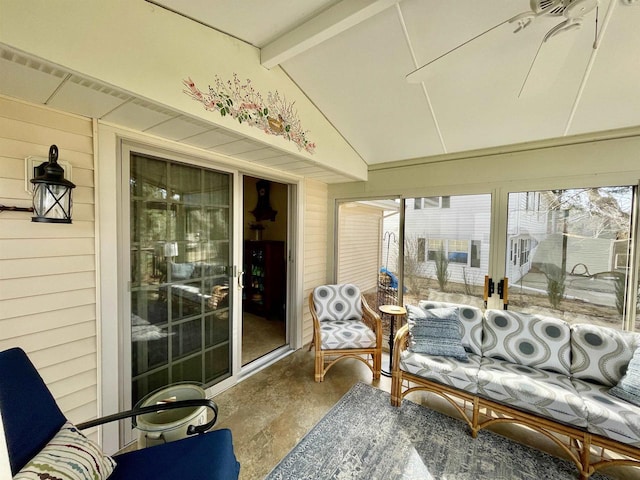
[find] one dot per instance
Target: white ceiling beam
(316, 30)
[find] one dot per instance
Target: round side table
(394, 312)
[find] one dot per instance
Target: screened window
(570, 258)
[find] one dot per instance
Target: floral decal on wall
(242, 102)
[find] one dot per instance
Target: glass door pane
(179, 255)
(446, 248)
(367, 255)
(568, 253)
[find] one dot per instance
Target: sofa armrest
(400, 344)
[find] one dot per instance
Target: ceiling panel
(88, 98)
(211, 138)
(138, 115)
(260, 154)
(179, 128)
(362, 90)
(239, 146)
(32, 81)
(611, 98)
(255, 21)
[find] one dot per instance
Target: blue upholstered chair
(32, 419)
(344, 326)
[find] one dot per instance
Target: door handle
(240, 279)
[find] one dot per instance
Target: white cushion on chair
(337, 302)
(341, 334)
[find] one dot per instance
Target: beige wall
(316, 220)
(47, 271)
(359, 246)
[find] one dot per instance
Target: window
(417, 203)
(458, 251)
(476, 249)
(570, 258)
(435, 245)
(431, 202)
(443, 247)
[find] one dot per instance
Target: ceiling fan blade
(422, 73)
(547, 65)
(545, 68)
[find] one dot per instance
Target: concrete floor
(272, 410)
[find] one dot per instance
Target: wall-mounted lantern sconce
(51, 191)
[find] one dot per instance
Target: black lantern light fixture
(51, 191)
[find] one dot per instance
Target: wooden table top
(392, 309)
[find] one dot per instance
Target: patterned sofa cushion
(436, 331)
(601, 354)
(539, 391)
(470, 322)
(337, 302)
(446, 370)
(344, 334)
(609, 416)
(533, 340)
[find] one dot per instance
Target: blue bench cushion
(200, 457)
(544, 393)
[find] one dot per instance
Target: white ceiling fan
(572, 12)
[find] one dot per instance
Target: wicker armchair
(344, 326)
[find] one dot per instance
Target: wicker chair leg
(377, 366)
(319, 376)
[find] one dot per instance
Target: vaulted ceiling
(351, 58)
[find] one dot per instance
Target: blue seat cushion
(200, 457)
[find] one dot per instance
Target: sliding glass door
(180, 237)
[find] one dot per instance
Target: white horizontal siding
(47, 271)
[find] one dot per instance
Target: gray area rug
(364, 437)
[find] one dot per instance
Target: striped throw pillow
(436, 331)
(69, 455)
(628, 388)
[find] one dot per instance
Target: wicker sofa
(537, 371)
